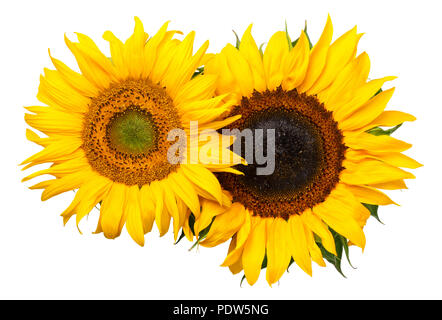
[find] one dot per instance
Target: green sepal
(308, 38)
(373, 210)
(260, 49)
(202, 234)
(264, 262)
(198, 71)
(377, 131)
(341, 245)
(182, 235)
(242, 280)
(344, 243)
(237, 42)
(288, 37)
(290, 263)
(192, 223)
(330, 257)
(379, 91)
(263, 266)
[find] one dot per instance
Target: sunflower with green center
(106, 132)
(327, 163)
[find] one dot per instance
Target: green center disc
(132, 132)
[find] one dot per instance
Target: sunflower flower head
(329, 163)
(105, 131)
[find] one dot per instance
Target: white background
(39, 258)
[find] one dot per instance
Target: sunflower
(327, 161)
(106, 132)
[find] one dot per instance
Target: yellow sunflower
(327, 163)
(106, 131)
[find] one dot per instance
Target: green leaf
(373, 211)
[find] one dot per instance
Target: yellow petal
(51, 121)
(172, 207)
(184, 190)
(237, 266)
(57, 149)
(254, 251)
(341, 52)
(90, 193)
(369, 142)
(210, 209)
(276, 51)
(151, 48)
(360, 96)
(66, 183)
(314, 223)
(298, 244)
(199, 88)
(396, 159)
(278, 253)
(389, 119)
(56, 92)
(89, 68)
(240, 239)
(225, 225)
(134, 50)
(249, 50)
(391, 185)
(318, 57)
(370, 195)
(315, 252)
(368, 112)
(203, 179)
(112, 210)
(165, 53)
(134, 223)
(76, 80)
(372, 171)
(296, 63)
(338, 212)
(351, 77)
(240, 70)
(162, 218)
(117, 54)
(147, 207)
(33, 137)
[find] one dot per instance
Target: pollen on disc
(125, 132)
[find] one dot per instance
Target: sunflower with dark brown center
(321, 106)
(107, 132)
